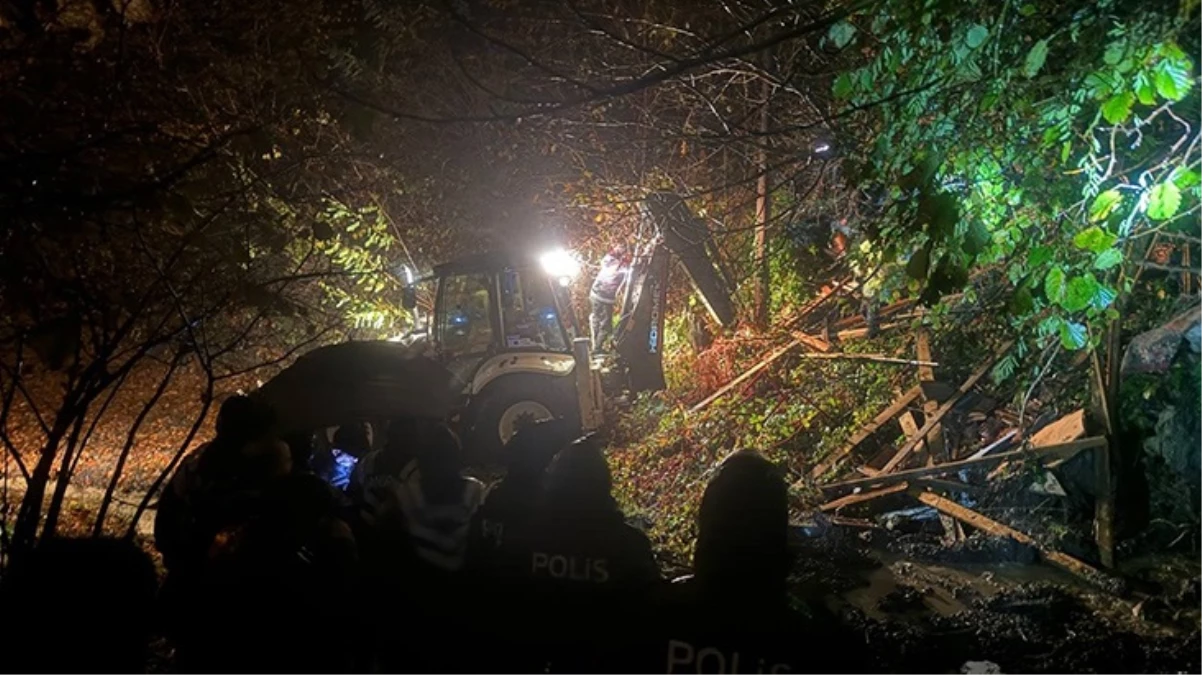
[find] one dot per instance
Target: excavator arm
(639, 335)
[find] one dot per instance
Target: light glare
(560, 263)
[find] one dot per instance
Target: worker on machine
(615, 268)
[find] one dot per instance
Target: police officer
(733, 615)
(589, 571)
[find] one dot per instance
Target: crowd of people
(282, 559)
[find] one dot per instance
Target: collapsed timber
(926, 493)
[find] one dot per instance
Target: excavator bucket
(640, 333)
(689, 238)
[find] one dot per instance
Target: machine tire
(506, 395)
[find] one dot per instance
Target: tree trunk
(762, 208)
(25, 530)
(63, 480)
(170, 468)
(107, 500)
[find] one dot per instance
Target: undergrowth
(795, 412)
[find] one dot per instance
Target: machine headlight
(560, 264)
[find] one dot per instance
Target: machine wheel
(511, 401)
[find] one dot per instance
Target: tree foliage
(1055, 156)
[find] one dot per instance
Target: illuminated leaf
(1146, 94)
(1173, 79)
(1185, 178)
(1103, 297)
(1163, 201)
(841, 33)
(1053, 285)
(1114, 53)
(1094, 239)
(1039, 255)
(1117, 109)
(1107, 259)
(1079, 293)
(1072, 335)
(1104, 204)
(1035, 58)
(976, 35)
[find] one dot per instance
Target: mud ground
(925, 607)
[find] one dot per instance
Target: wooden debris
(934, 440)
(1002, 440)
(879, 358)
(970, 517)
(948, 486)
(856, 333)
(1052, 451)
(857, 438)
(933, 419)
(861, 497)
(768, 360)
(813, 342)
(1066, 429)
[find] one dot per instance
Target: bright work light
(560, 263)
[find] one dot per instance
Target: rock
(1190, 592)
(980, 667)
(1153, 351)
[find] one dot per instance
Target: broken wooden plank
(1066, 429)
(747, 374)
(967, 515)
(861, 497)
(1002, 440)
(910, 427)
(879, 358)
(855, 333)
(813, 342)
(934, 440)
(933, 420)
(877, 422)
(949, 486)
(1048, 452)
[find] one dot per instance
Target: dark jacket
(695, 631)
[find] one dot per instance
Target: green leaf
(1163, 201)
(1173, 79)
(1185, 178)
(1104, 204)
(1107, 259)
(1072, 335)
(976, 35)
(1103, 297)
(1039, 255)
(1053, 285)
(1114, 53)
(1094, 239)
(843, 86)
(1117, 109)
(1066, 151)
(1035, 59)
(841, 34)
(1146, 94)
(1079, 292)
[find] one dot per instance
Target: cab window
(528, 312)
(465, 326)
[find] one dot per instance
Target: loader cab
(504, 326)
